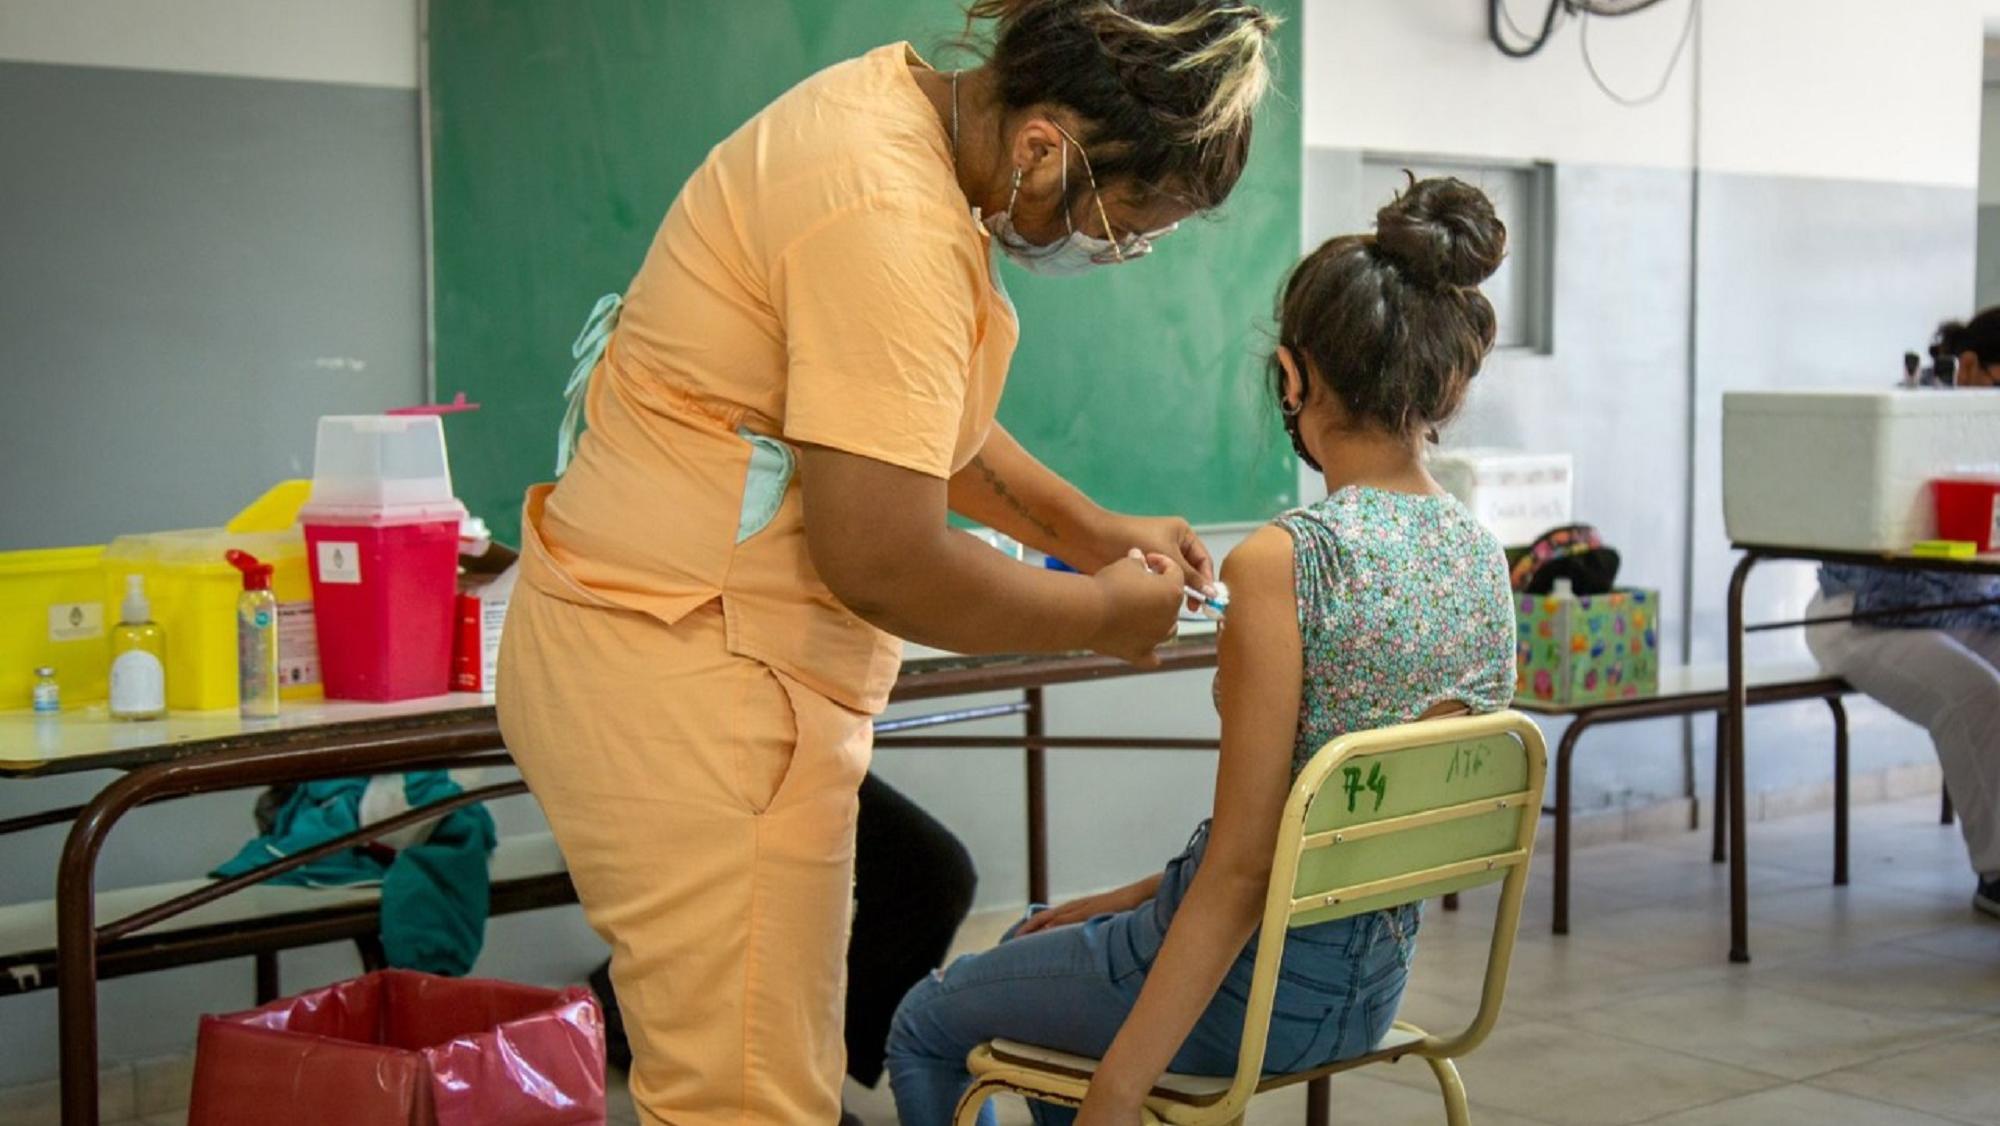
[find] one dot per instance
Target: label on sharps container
(76, 621)
(339, 563)
(298, 645)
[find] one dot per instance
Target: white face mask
(1074, 253)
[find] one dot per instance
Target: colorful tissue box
(1587, 649)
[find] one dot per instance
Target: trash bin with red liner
(404, 1048)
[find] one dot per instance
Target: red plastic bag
(398, 1047)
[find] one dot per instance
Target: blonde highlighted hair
(1167, 89)
(1228, 44)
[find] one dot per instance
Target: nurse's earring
(1290, 409)
(1013, 193)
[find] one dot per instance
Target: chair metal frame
(1001, 1067)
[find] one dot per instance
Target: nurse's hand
(1169, 536)
(1140, 597)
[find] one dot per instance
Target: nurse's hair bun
(1442, 232)
(1165, 92)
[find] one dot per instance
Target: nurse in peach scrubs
(798, 386)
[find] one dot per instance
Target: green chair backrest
(1414, 812)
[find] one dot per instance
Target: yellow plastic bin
(275, 511)
(193, 591)
(52, 614)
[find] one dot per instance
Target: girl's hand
(1170, 536)
(1078, 910)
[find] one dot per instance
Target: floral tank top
(1404, 604)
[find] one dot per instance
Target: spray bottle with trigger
(256, 638)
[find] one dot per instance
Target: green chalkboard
(560, 131)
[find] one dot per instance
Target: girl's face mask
(1290, 415)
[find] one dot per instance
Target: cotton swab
(1212, 605)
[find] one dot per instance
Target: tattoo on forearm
(1001, 490)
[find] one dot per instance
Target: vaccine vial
(48, 694)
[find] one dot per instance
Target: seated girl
(1382, 604)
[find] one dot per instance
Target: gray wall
(1987, 289)
(195, 268)
(192, 269)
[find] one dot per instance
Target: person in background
(1384, 603)
(1938, 669)
(913, 887)
(1962, 342)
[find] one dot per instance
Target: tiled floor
(1877, 1004)
(1872, 1005)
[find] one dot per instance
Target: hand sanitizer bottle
(138, 658)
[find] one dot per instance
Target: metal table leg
(1319, 1101)
(1565, 749)
(1840, 793)
(1721, 852)
(269, 983)
(1035, 720)
(1738, 796)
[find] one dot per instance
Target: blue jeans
(1070, 989)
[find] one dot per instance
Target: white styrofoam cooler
(1847, 470)
(1517, 496)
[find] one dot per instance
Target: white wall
(1846, 89)
(1849, 89)
(363, 42)
(1420, 76)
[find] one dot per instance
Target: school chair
(1377, 819)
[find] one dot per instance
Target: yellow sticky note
(1945, 549)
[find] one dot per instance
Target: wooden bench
(1692, 690)
(260, 921)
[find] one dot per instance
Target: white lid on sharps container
(381, 461)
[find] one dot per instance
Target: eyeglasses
(1134, 244)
